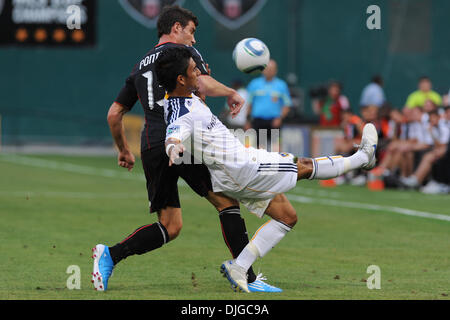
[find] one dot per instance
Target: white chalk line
(68, 167)
(69, 195)
(49, 164)
(367, 206)
(394, 194)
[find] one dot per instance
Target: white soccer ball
(251, 55)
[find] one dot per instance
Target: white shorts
(277, 173)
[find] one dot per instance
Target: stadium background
(60, 95)
(54, 208)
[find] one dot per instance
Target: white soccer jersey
(441, 133)
(246, 174)
(416, 131)
(227, 159)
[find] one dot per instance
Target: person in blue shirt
(269, 102)
(373, 93)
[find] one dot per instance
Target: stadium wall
(61, 95)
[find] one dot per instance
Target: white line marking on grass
(359, 205)
(108, 173)
(368, 206)
(394, 194)
(68, 167)
(321, 193)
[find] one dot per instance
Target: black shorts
(162, 187)
(258, 124)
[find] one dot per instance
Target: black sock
(142, 240)
(235, 234)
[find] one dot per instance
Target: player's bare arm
(210, 87)
(198, 93)
(126, 158)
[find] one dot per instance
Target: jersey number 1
(149, 76)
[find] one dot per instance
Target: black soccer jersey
(142, 84)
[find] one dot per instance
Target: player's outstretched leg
(103, 267)
(329, 167)
(265, 238)
(235, 235)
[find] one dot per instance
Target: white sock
(247, 256)
(331, 167)
(264, 239)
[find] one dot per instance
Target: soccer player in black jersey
(176, 27)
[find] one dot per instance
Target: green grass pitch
(54, 209)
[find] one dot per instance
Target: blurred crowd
(414, 140)
(414, 148)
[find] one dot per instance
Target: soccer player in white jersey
(255, 177)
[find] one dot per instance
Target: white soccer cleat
(235, 274)
(369, 143)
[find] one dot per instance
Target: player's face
(187, 34)
(191, 78)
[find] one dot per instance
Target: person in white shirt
(437, 134)
(255, 177)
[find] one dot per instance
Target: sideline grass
(51, 218)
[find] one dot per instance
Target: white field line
(80, 195)
(367, 206)
(327, 193)
(69, 195)
(68, 167)
(48, 164)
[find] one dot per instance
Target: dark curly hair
(171, 15)
(172, 63)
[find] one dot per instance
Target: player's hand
(126, 160)
(175, 153)
(235, 103)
